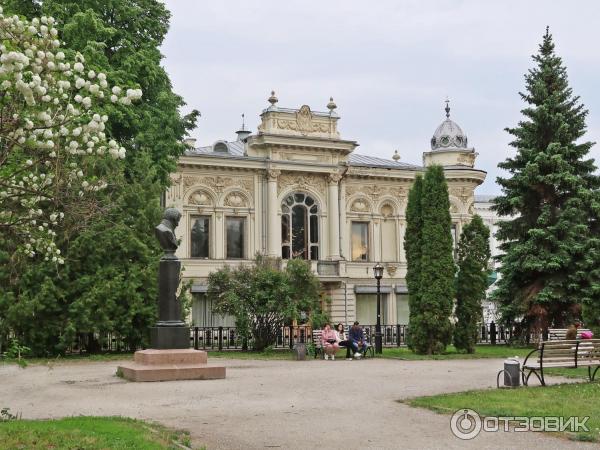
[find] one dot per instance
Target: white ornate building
(297, 189)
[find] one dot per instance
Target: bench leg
(534, 372)
(592, 375)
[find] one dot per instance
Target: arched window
(299, 227)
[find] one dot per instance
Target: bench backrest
(560, 333)
(316, 335)
(564, 352)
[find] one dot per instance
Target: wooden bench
(567, 354)
(316, 336)
(560, 334)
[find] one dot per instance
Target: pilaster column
(273, 226)
(344, 246)
(333, 214)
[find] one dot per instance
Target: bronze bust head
(165, 231)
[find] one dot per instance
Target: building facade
(297, 189)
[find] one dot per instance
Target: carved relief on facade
(236, 200)
(301, 181)
(174, 191)
(467, 159)
(360, 205)
(461, 192)
(387, 210)
(200, 198)
(219, 183)
(376, 191)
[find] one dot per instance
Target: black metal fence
(228, 338)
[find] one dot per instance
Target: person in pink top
(329, 341)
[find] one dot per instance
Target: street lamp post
(378, 272)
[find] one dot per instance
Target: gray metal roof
(484, 198)
(236, 149)
(356, 159)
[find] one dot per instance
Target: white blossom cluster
(49, 131)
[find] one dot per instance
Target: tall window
(200, 237)
(360, 241)
(236, 228)
(203, 316)
(299, 227)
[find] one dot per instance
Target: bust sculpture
(165, 231)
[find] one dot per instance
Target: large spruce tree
(471, 283)
(549, 193)
(431, 329)
(413, 241)
(108, 282)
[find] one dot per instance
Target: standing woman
(343, 340)
(329, 341)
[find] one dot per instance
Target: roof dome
(448, 135)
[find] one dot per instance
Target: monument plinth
(170, 357)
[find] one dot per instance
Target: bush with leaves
(430, 328)
(263, 298)
(471, 283)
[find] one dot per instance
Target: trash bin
(299, 351)
(512, 373)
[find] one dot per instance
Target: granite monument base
(163, 338)
(170, 365)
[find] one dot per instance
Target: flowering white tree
(51, 133)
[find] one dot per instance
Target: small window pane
(285, 252)
(285, 229)
(235, 237)
(299, 198)
(200, 237)
(360, 241)
(314, 230)
(299, 232)
(309, 201)
(290, 200)
(314, 252)
(314, 209)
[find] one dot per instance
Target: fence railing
(228, 338)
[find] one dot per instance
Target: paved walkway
(275, 404)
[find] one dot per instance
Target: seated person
(357, 337)
(344, 342)
(329, 341)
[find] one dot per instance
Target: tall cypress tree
(546, 266)
(413, 241)
(431, 331)
(473, 257)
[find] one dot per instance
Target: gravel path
(275, 404)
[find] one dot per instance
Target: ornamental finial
(447, 108)
(396, 156)
(331, 105)
(272, 99)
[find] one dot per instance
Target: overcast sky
(389, 66)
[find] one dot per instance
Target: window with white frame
(200, 237)
(299, 227)
(235, 228)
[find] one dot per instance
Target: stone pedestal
(162, 338)
(170, 365)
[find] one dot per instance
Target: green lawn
(89, 433)
(561, 400)
(481, 351)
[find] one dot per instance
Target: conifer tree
(546, 265)
(431, 330)
(412, 244)
(473, 257)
